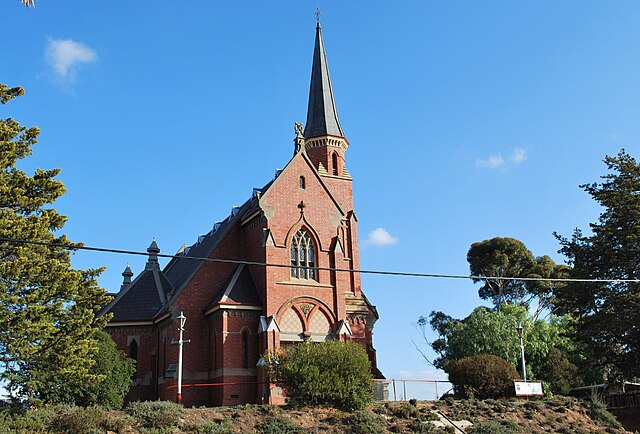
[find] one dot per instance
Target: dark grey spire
(153, 251)
(127, 274)
(322, 116)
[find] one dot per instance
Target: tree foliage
(500, 257)
(608, 313)
(333, 373)
(47, 308)
(496, 260)
(113, 370)
(489, 331)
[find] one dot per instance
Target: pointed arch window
(245, 349)
(303, 256)
(334, 164)
(133, 354)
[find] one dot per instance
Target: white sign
(528, 388)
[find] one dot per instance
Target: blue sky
(467, 120)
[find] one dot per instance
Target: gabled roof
(302, 154)
(238, 289)
(142, 300)
(145, 297)
(322, 115)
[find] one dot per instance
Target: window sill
(303, 282)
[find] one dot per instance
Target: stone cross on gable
(302, 206)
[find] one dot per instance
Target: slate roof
(149, 294)
(143, 299)
(238, 289)
(322, 115)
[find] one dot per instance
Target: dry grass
(510, 416)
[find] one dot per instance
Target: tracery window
(303, 256)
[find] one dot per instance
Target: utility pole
(180, 342)
(524, 368)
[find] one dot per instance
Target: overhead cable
(343, 270)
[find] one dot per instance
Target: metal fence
(404, 389)
(623, 400)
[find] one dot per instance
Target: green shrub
(492, 427)
(216, 427)
(155, 414)
(482, 376)
(80, 420)
(333, 373)
(600, 413)
(407, 410)
(278, 424)
(366, 422)
(422, 426)
(32, 421)
(430, 415)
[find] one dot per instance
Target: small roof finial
(127, 274)
(318, 14)
(153, 251)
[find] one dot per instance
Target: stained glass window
(303, 257)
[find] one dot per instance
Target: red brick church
(303, 220)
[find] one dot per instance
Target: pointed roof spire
(127, 274)
(153, 251)
(322, 115)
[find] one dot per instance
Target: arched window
(245, 349)
(302, 183)
(133, 354)
(334, 164)
(303, 256)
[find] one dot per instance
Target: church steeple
(324, 140)
(322, 115)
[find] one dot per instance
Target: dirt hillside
(556, 415)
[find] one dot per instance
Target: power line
(266, 264)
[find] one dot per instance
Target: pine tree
(47, 308)
(608, 314)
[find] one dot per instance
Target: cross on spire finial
(318, 14)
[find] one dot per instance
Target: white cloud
(519, 156)
(380, 237)
(497, 161)
(65, 55)
(493, 162)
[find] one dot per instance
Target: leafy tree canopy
(489, 331)
(113, 369)
(499, 259)
(607, 314)
(47, 308)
